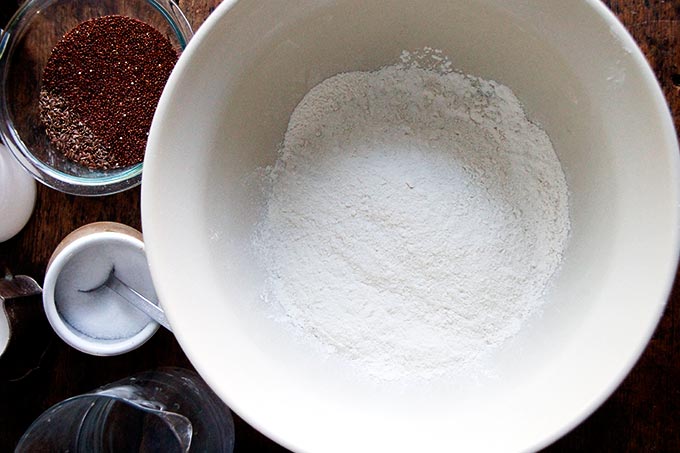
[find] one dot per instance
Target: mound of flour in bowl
(414, 219)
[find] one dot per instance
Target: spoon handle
(140, 302)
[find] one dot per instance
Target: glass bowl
(25, 48)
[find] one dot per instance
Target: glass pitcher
(166, 410)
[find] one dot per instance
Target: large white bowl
(225, 109)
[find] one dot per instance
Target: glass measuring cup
(166, 410)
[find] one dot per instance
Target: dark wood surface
(642, 415)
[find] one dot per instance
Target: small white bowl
(96, 239)
(17, 195)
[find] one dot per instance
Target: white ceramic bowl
(95, 240)
(579, 74)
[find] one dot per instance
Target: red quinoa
(100, 89)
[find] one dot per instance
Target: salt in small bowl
(99, 322)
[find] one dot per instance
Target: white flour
(414, 220)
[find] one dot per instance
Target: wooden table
(642, 415)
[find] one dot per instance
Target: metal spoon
(135, 299)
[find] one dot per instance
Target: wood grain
(642, 415)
